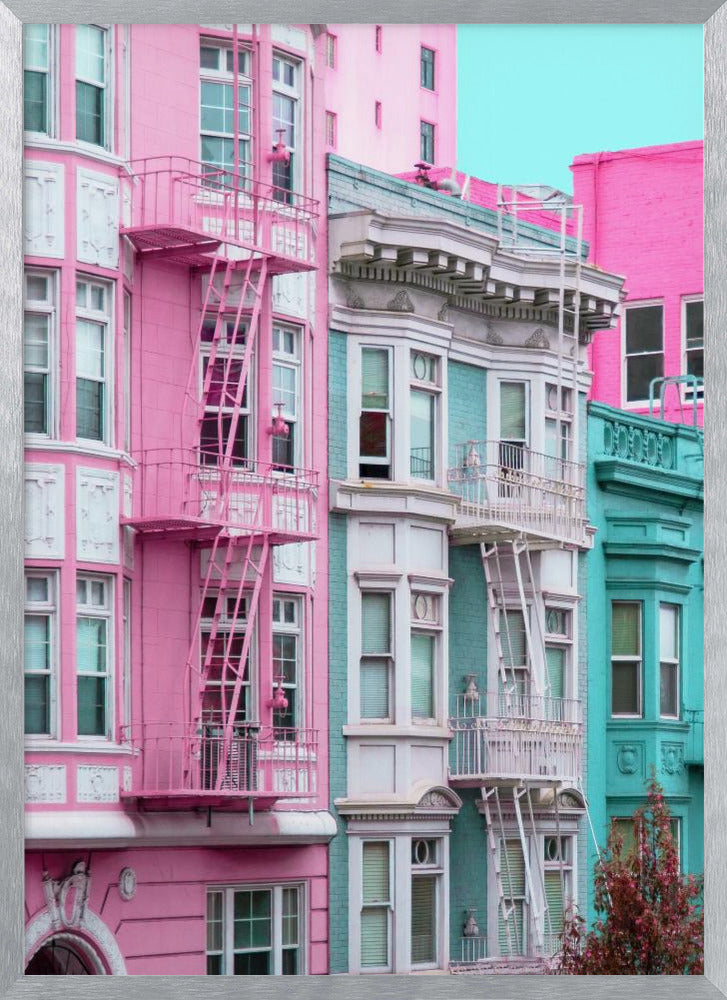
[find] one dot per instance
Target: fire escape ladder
(536, 654)
(494, 843)
(537, 914)
(498, 616)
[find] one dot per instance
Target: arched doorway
(64, 955)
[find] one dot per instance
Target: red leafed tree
(651, 921)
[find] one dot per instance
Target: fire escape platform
(224, 801)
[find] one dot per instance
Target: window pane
(422, 434)
(89, 113)
(695, 324)
(373, 441)
(290, 917)
(423, 919)
(91, 645)
(555, 658)
(514, 639)
(625, 828)
(90, 53)
(89, 409)
(644, 329)
(36, 588)
(37, 642)
(216, 107)
(512, 411)
(374, 936)
(35, 403)
(284, 390)
(375, 868)
(89, 349)
(668, 632)
(91, 706)
(669, 690)
(375, 623)
(37, 705)
(422, 676)
(512, 865)
(374, 379)
(35, 94)
(625, 688)
(554, 900)
(625, 629)
(209, 58)
(35, 45)
(640, 370)
(252, 964)
(374, 679)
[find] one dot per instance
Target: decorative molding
(127, 884)
(443, 314)
(56, 892)
(291, 563)
(538, 339)
(93, 928)
(289, 293)
(631, 443)
(672, 758)
(95, 783)
(353, 299)
(43, 204)
(401, 302)
(45, 783)
(97, 515)
(44, 511)
(97, 218)
(492, 338)
(627, 758)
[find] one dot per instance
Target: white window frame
(107, 88)
(628, 306)
(390, 657)
(331, 129)
(294, 628)
(46, 609)
(225, 76)
(276, 939)
(45, 307)
(564, 641)
(246, 407)
(379, 905)
(51, 80)
(239, 626)
(554, 865)
(430, 626)
(638, 661)
(686, 300)
(104, 319)
(563, 412)
(105, 612)
(294, 93)
(432, 868)
(293, 361)
(669, 661)
(432, 387)
(388, 460)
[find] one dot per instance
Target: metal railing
(500, 483)
(517, 705)
(267, 762)
(177, 193)
(178, 485)
(421, 463)
(694, 750)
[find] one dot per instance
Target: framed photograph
(360, 438)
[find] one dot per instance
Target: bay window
(37, 78)
(255, 931)
(94, 655)
(376, 907)
(626, 658)
(644, 350)
(92, 85)
(286, 395)
(38, 352)
(376, 656)
(40, 653)
(375, 419)
(226, 144)
(669, 661)
(93, 396)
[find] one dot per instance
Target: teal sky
(533, 96)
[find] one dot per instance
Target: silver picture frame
(12, 982)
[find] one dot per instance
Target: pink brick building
(175, 364)
(643, 218)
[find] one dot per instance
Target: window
(426, 875)
(127, 371)
(92, 367)
(38, 351)
(286, 395)
(669, 661)
(287, 650)
(286, 95)
(331, 129)
(644, 348)
(694, 341)
(376, 656)
(427, 68)
(516, 687)
(378, 37)
(126, 687)
(256, 931)
(512, 932)
(425, 627)
(557, 885)
(557, 648)
(36, 78)
(222, 634)
(40, 653)
(376, 905)
(92, 80)
(423, 393)
(375, 421)
(377, 114)
(93, 655)
(331, 47)
(223, 161)
(558, 410)
(625, 658)
(627, 829)
(426, 142)
(223, 418)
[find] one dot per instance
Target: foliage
(651, 918)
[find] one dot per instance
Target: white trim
(83, 446)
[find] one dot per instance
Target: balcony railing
(195, 764)
(185, 209)
(183, 490)
(499, 737)
(508, 486)
(694, 751)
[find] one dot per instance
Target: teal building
(645, 635)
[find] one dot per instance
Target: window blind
(512, 865)
(422, 676)
(555, 659)
(376, 872)
(625, 629)
(423, 919)
(512, 627)
(375, 623)
(515, 943)
(37, 642)
(375, 918)
(668, 632)
(374, 680)
(512, 411)
(554, 901)
(374, 379)
(375, 936)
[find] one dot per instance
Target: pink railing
(507, 484)
(173, 192)
(178, 485)
(264, 762)
(515, 736)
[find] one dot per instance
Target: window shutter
(554, 901)
(374, 678)
(513, 639)
(422, 676)
(512, 411)
(374, 379)
(423, 919)
(625, 639)
(555, 659)
(375, 623)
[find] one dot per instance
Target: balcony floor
(226, 801)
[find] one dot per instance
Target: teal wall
(645, 498)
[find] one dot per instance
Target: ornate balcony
(183, 211)
(180, 766)
(503, 739)
(182, 492)
(506, 489)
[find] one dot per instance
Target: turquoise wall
(645, 498)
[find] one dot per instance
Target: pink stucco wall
(363, 76)
(156, 112)
(643, 218)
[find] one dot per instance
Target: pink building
(391, 94)
(643, 218)
(175, 368)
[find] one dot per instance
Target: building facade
(457, 535)
(176, 599)
(646, 615)
(643, 217)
